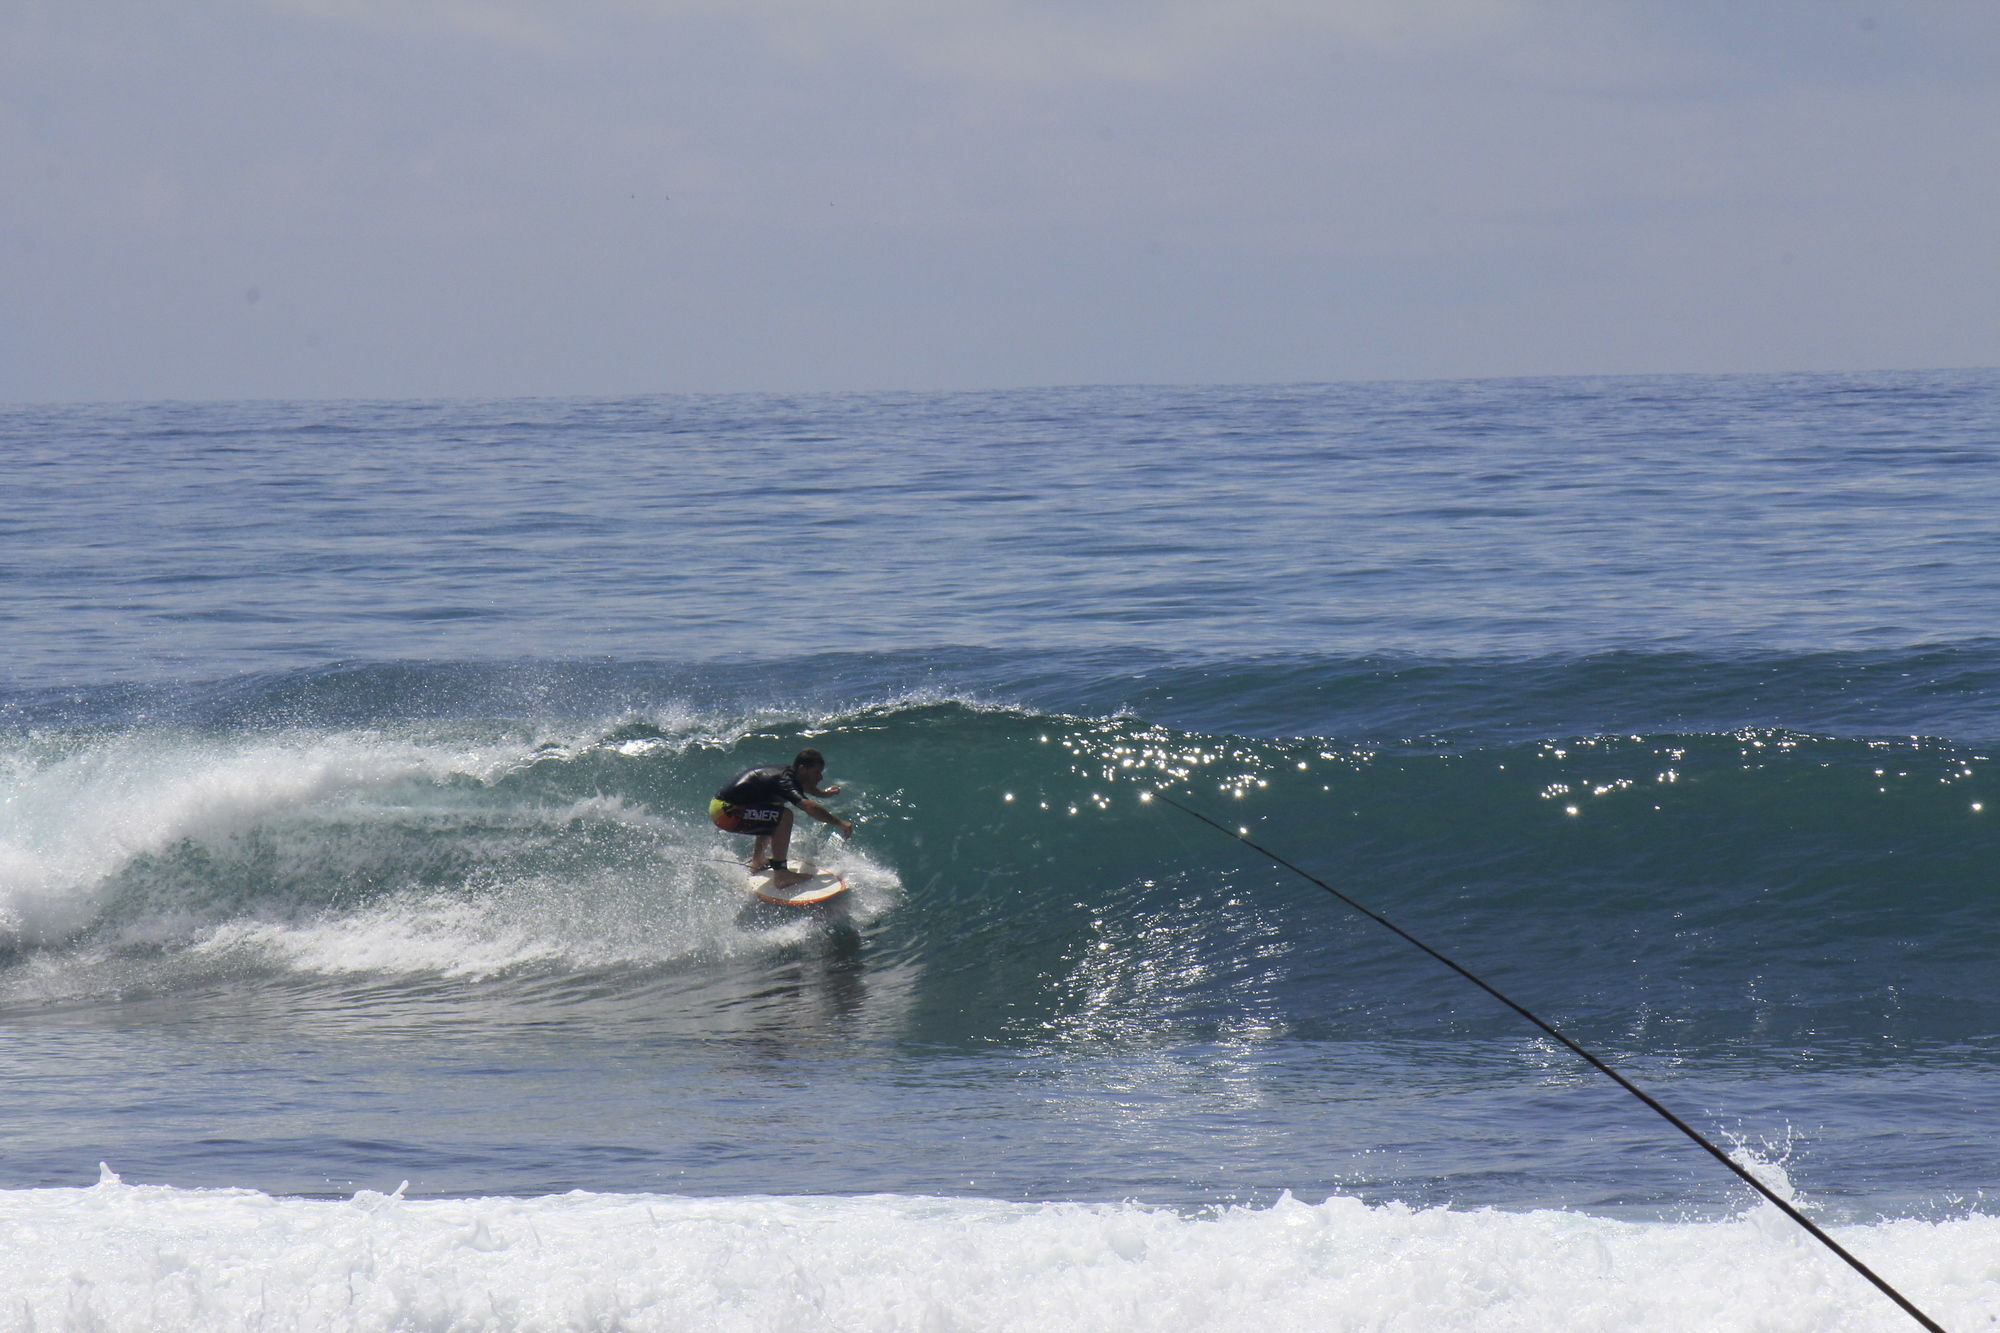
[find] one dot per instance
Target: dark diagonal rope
(1599, 1065)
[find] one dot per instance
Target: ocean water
(367, 961)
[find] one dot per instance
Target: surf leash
(1592, 1060)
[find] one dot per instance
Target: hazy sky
(335, 198)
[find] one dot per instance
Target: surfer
(758, 801)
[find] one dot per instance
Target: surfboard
(818, 887)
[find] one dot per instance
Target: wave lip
(1943, 689)
(117, 1255)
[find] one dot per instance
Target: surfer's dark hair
(809, 758)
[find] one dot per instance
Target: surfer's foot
(785, 879)
(757, 863)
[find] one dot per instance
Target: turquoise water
(353, 758)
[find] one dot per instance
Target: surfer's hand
(834, 790)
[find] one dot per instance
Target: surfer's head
(810, 758)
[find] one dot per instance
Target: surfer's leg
(781, 843)
(781, 836)
(760, 853)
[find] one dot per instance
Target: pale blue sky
(339, 198)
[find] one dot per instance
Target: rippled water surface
(353, 757)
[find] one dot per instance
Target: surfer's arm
(826, 816)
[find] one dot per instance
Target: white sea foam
(76, 816)
(124, 1257)
(159, 858)
(691, 906)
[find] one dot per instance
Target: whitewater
(367, 960)
(116, 1256)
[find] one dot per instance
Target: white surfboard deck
(818, 887)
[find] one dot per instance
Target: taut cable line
(1592, 1060)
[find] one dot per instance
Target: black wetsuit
(776, 785)
(755, 800)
